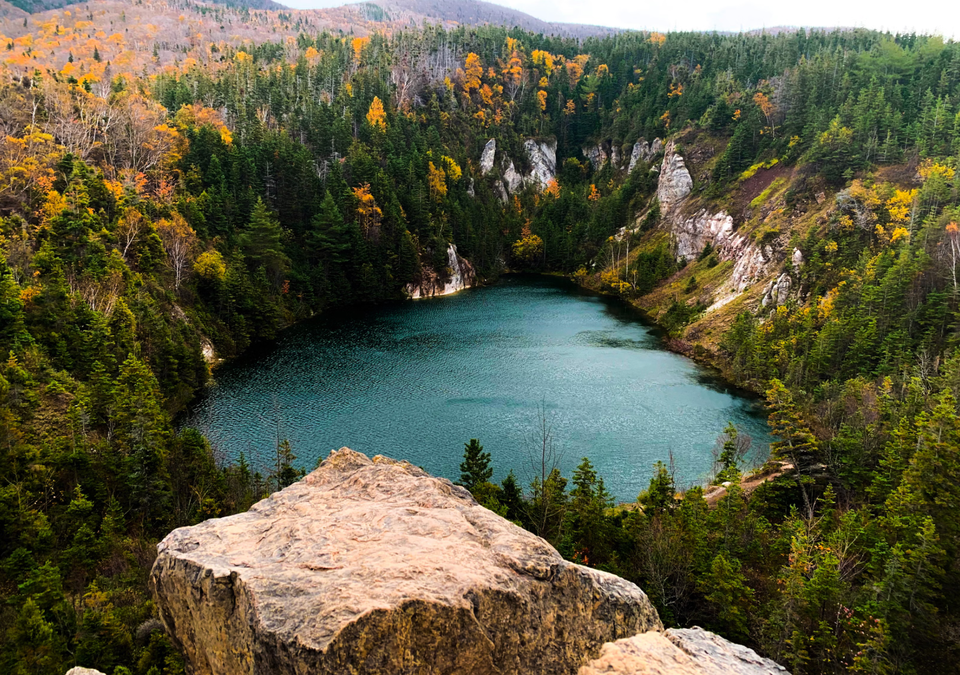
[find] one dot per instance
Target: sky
(922, 16)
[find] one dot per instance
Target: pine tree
(263, 243)
(512, 497)
(475, 468)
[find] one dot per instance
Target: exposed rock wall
(432, 284)
(543, 162)
(487, 157)
(688, 651)
(373, 566)
(675, 182)
(643, 151)
(597, 155)
(542, 156)
(752, 262)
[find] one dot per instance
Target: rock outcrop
(675, 182)
(596, 154)
(543, 162)
(487, 157)
(460, 275)
(511, 178)
(643, 151)
(542, 156)
(777, 291)
(373, 566)
(688, 651)
(752, 262)
(83, 671)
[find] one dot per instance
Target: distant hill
(470, 13)
(35, 6)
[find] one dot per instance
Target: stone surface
(643, 151)
(777, 291)
(675, 182)
(511, 178)
(688, 651)
(596, 154)
(797, 259)
(487, 157)
(373, 566)
(83, 671)
(692, 234)
(458, 276)
(543, 162)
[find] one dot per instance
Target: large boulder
(77, 670)
(373, 566)
(687, 651)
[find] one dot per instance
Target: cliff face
(373, 566)
(692, 232)
(542, 156)
(432, 283)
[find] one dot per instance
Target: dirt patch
(904, 175)
(751, 188)
(750, 482)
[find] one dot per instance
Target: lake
(416, 380)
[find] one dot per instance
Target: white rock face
(83, 671)
(643, 151)
(675, 182)
(501, 191)
(615, 157)
(511, 178)
(431, 284)
(688, 651)
(692, 234)
(543, 161)
(777, 291)
(797, 259)
(752, 263)
(486, 159)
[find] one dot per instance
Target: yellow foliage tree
(368, 213)
(437, 181)
(472, 72)
(376, 115)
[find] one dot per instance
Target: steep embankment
(735, 248)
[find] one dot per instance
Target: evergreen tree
(475, 468)
(263, 243)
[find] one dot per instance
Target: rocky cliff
(694, 229)
(431, 283)
(542, 157)
(373, 566)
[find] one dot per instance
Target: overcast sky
(730, 15)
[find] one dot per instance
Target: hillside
(472, 13)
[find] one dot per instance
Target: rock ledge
(373, 566)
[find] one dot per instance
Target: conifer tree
(475, 468)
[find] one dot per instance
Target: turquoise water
(416, 380)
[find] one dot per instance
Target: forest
(152, 218)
